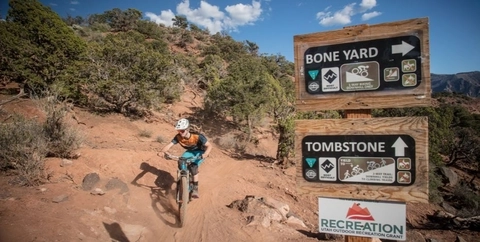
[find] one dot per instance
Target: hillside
(138, 204)
(467, 83)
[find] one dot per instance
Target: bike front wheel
(182, 206)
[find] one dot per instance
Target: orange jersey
(194, 142)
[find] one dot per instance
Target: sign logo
(409, 65)
(360, 76)
(327, 166)
(330, 79)
(409, 80)
(313, 74)
(330, 76)
(391, 74)
(311, 174)
(313, 86)
(357, 213)
(311, 161)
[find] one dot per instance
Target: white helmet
(182, 124)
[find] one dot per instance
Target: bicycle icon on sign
(360, 70)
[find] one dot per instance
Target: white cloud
(164, 18)
(53, 4)
(241, 14)
(340, 17)
(344, 16)
(367, 16)
(367, 5)
(211, 17)
(72, 9)
(74, 2)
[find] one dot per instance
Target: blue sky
(272, 24)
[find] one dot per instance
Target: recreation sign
(380, 158)
(364, 67)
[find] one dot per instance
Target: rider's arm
(208, 149)
(165, 149)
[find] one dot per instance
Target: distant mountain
(467, 83)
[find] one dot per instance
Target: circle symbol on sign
(313, 86)
(311, 174)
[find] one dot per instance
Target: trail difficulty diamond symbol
(330, 76)
(313, 74)
(311, 161)
(327, 166)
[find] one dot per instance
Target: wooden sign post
(358, 69)
(359, 113)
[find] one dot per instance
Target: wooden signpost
(357, 69)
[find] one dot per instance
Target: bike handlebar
(174, 157)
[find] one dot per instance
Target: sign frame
(416, 127)
(419, 95)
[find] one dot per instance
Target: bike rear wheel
(182, 206)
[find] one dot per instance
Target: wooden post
(358, 113)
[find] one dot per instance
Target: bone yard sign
(364, 67)
(375, 65)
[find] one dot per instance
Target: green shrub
(23, 148)
(467, 200)
(434, 184)
(62, 139)
(24, 143)
(145, 133)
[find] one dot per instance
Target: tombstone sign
(367, 159)
(374, 65)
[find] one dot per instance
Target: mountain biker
(195, 144)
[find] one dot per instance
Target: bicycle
(361, 70)
(356, 170)
(184, 189)
(372, 165)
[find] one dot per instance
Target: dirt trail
(147, 211)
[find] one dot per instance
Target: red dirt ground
(114, 148)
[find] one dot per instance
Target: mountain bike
(183, 193)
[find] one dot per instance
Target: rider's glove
(166, 155)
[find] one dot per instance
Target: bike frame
(184, 185)
(183, 171)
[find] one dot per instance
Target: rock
(116, 183)
(110, 210)
(451, 176)
(449, 208)
(460, 239)
(292, 220)
(66, 162)
(415, 236)
(89, 181)
(59, 199)
(97, 191)
(281, 207)
(266, 218)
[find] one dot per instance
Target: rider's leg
(194, 169)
